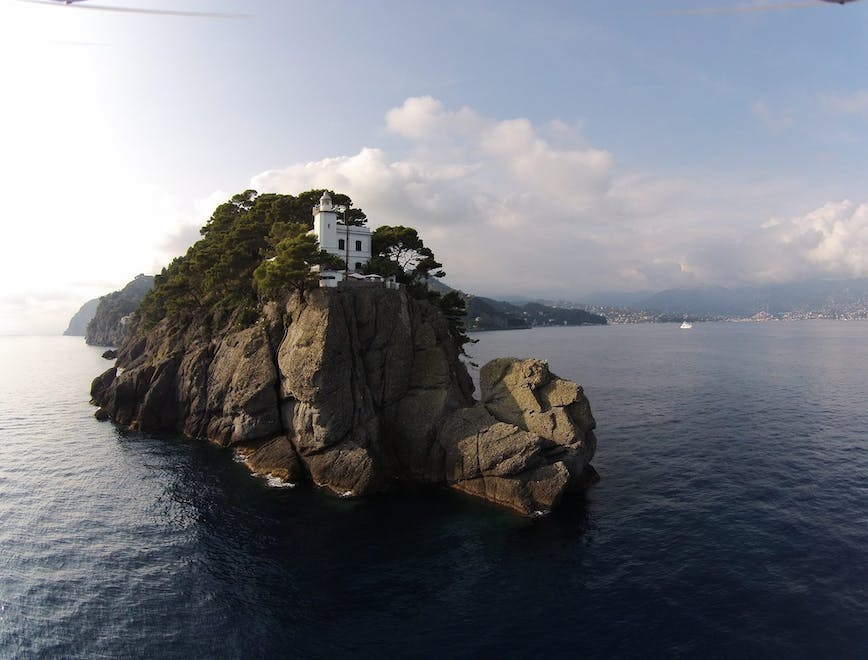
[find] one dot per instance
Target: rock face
(355, 389)
(110, 322)
(78, 323)
(527, 442)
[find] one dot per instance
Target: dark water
(731, 520)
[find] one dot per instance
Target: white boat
(686, 325)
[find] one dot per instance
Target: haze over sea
(731, 519)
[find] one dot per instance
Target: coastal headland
(354, 388)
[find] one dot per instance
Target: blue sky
(547, 149)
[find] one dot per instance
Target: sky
(542, 149)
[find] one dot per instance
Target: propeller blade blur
(738, 9)
(137, 10)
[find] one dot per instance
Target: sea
(730, 520)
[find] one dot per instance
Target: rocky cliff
(355, 389)
(527, 443)
(110, 322)
(78, 323)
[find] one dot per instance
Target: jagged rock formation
(527, 442)
(354, 389)
(110, 322)
(78, 323)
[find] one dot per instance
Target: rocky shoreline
(353, 390)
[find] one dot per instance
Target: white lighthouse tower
(351, 243)
(325, 221)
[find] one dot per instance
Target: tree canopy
(216, 273)
(257, 245)
(290, 268)
(398, 251)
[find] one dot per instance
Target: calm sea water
(731, 520)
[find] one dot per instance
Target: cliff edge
(111, 319)
(354, 389)
(78, 323)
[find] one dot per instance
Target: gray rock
(241, 389)
(78, 323)
(278, 458)
(111, 321)
(355, 389)
(527, 443)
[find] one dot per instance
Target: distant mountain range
(824, 298)
(845, 299)
(490, 314)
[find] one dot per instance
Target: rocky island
(355, 388)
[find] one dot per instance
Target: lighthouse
(340, 239)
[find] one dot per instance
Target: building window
(341, 244)
(358, 246)
(358, 265)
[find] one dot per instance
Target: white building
(335, 237)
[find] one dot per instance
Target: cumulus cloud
(424, 118)
(510, 207)
(831, 241)
(515, 208)
(504, 207)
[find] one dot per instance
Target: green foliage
(258, 245)
(398, 251)
(216, 275)
(331, 261)
(290, 268)
(247, 317)
(454, 309)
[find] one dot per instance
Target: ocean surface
(731, 520)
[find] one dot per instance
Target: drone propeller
(138, 10)
(743, 8)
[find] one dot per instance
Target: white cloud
(831, 241)
(510, 211)
(774, 119)
(512, 208)
(424, 118)
(854, 103)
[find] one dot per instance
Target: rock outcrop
(111, 320)
(355, 389)
(527, 443)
